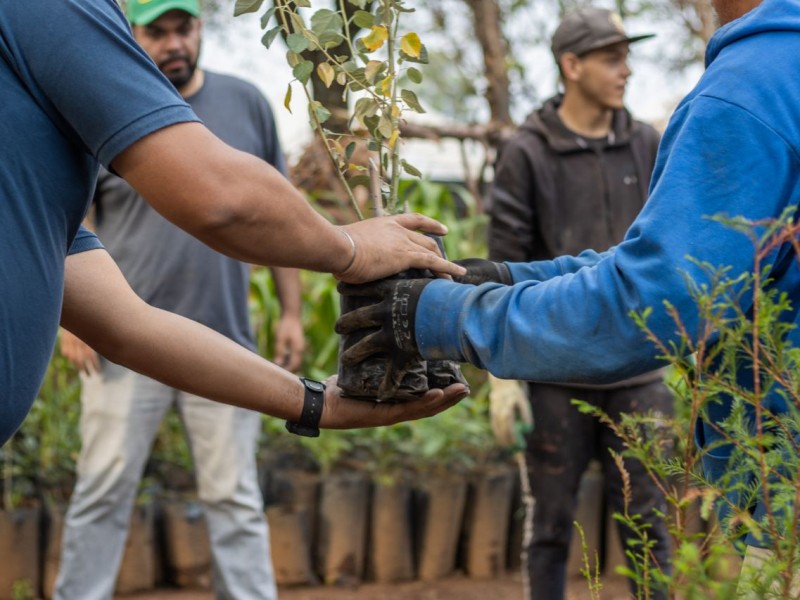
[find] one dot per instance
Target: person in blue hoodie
(731, 147)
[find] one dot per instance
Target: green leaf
(246, 6)
(385, 126)
(410, 169)
(359, 3)
(269, 37)
(357, 180)
(303, 71)
(297, 21)
(297, 42)
(327, 26)
(414, 75)
(351, 147)
(372, 69)
(364, 19)
(322, 113)
(293, 59)
(410, 98)
(371, 123)
(302, 3)
(287, 99)
(365, 107)
(266, 17)
(326, 21)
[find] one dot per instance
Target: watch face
(315, 386)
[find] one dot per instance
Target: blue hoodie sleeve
(716, 158)
(542, 270)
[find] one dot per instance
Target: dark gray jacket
(556, 194)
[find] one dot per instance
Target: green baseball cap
(144, 12)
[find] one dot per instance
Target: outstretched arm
(100, 308)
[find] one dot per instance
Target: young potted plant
(358, 45)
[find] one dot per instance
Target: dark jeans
(559, 449)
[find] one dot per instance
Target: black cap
(588, 29)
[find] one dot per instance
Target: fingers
(289, 346)
(366, 317)
(361, 350)
(388, 245)
(376, 289)
(440, 266)
(92, 364)
(79, 353)
(417, 222)
(435, 401)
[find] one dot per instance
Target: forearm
(234, 202)
(288, 289)
(169, 348)
(242, 207)
(101, 309)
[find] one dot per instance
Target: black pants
(559, 449)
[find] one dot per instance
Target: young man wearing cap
(732, 147)
(171, 270)
(575, 176)
(77, 91)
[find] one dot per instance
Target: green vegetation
(761, 455)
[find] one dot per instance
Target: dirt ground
(508, 587)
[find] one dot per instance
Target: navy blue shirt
(75, 91)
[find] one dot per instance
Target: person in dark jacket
(575, 176)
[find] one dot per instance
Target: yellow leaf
(326, 73)
(372, 68)
(376, 37)
(386, 86)
(396, 112)
(287, 99)
(411, 44)
(393, 139)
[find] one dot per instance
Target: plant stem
(318, 125)
(394, 183)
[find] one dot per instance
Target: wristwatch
(313, 402)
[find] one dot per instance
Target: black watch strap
(313, 401)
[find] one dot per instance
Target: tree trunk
(488, 18)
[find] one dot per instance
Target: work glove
(392, 316)
(388, 323)
(509, 411)
(480, 271)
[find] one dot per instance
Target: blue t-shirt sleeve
(84, 240)
(99, 87)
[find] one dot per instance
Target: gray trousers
(121, 414)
